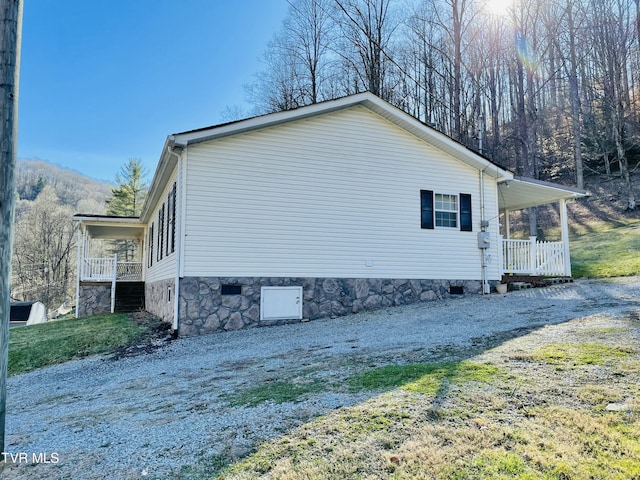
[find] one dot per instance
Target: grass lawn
(562, 406)
(606, 250)
(55, 342)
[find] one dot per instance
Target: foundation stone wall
(95, 299)
(204, 309)
(160, 299)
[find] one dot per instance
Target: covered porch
(108, 281)
(109, 269)
(530, 256)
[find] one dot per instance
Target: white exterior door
(281, 303)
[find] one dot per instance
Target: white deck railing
(102, 269)
(97, 269)
(550, 256)
(129, 271)
(531, 257)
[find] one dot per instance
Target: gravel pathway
(166, 414)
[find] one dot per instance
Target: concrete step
(519, 285)
(558, 280)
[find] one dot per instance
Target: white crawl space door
(281, 303)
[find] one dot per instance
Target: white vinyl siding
(337, 195)
(164, 265)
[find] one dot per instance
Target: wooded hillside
(549, 88)
(44, 258)
(73, 189)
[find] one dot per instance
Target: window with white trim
(446, 210)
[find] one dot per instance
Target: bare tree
(308, 30)
(368, 27)
(454, 17)
(556, 80)
(276, 88)
(296, 60)
(571, 66)
(613, 34)
(44, 240)
(426, 45)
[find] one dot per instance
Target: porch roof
(523, 192)
(111, 228)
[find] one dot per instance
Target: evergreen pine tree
(126, 201)
(128, 197)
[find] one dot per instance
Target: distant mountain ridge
(82, 193)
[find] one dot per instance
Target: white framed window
(446, 210)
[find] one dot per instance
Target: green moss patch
(425, 378)
(276, 392)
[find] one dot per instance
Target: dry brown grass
(564, 403)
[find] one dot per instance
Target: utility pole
(10, 35)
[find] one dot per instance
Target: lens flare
(528, 58)
(498, 7)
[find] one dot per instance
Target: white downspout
(178, 207)
(564, 224)
(483, 226)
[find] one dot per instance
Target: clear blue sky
(103, 81)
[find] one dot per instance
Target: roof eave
(268, 120)
(168, 160)
(91, 218)
(369, 101)
(436, 138)
(523, 192)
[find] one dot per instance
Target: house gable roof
(365, 99)
(176, 143)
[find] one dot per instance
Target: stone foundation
(95, 299)
(160, 299)
(203, 308)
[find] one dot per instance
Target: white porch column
(533, 259)
(564, 236)
(113, 283)
(507, 227)
(501, 255)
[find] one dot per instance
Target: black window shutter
(173, 218)
(466, 224)
(426, 206)
(151, 240)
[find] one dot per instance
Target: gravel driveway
(163, 414)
